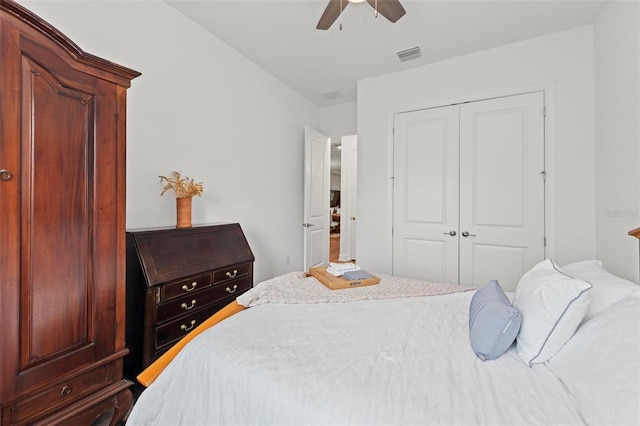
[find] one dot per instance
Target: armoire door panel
(56, 267)
(61, 291)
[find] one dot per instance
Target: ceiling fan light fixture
(390, 9)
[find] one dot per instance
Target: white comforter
(376, 362)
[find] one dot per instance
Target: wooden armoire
(62, 227)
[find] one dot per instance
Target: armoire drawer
(62, 394)
(193, 302)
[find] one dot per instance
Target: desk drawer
(230, 272)
(185, 286)
(177, 329)
(193, 302)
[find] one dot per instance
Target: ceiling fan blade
(331, 13)
(390, 9)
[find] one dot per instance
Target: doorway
(342, 199)
(318, 215)
(334, 200)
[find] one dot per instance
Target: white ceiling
(280, 35)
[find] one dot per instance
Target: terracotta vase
(183, 212)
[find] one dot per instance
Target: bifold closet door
(425, 194)
(469, 191)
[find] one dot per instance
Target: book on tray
(356, 275)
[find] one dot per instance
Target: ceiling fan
(390, 9)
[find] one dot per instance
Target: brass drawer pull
(184, 327)
(230, 275)
(193, 286)
(66, 390)
(232, 290)
(187, 307)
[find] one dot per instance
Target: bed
(564, 349)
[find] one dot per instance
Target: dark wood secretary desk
(176, 279)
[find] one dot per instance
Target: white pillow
(607, 288)
(551, 304)
(600, 365)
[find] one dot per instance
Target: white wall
(201, 108)
(338, 120)
(617, 150)
(561, 64)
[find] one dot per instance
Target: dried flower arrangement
(183, 186)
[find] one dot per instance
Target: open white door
(316, 198)
(349, 163)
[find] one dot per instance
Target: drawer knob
(184, 327)
(187, 307)
(230, 275)
(5, 175)
(232, 290)
(66, 390)
(193, 286)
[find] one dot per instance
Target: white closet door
(425, 195)
(501, 189)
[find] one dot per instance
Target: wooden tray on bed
(337, 283)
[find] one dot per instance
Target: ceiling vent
(409, 54)
(333, 95)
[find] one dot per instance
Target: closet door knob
(466, 234)
(452, 233)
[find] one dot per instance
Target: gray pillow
(493, 322)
